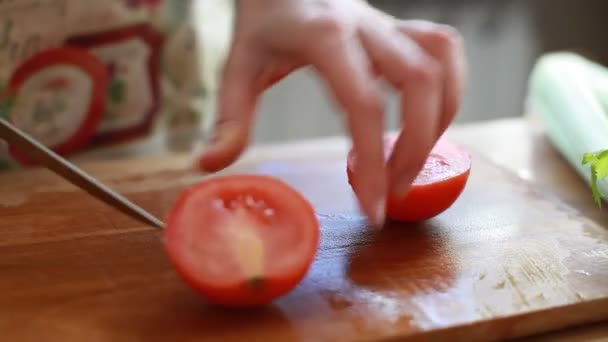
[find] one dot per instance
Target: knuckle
(425, 74)
(368, 103)
(326, 24)
(445, 37)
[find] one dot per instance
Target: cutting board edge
(518, 326)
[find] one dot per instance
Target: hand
(350, 44)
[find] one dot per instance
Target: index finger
(346, 69)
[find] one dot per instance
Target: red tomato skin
(86, 62)
(423, 201)
(242, 294)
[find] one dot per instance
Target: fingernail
(402, 189)
(199, 148)
(212, 141)
(401, 182)
(380, 213)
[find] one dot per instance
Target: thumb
(237, 101)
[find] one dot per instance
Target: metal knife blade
(73, 174)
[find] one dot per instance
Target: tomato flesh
(437, 186)
(242, 240)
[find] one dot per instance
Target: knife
(73, 174)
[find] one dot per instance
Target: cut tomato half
(438, 185)
(59, 99)
(242, 240)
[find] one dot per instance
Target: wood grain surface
(507, 260)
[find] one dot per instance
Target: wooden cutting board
(504, 261)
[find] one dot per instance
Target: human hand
(350, 44)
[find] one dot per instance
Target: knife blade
(73, 174)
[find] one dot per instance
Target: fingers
(418, 76)
(347, 70)
(237, 100)
(446, 47)
(274, 74)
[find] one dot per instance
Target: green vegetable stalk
(569, 93)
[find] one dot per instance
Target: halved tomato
(242, 240)
(437, 186)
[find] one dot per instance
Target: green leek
(569, 93)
